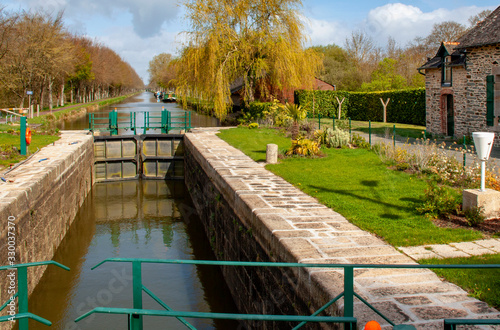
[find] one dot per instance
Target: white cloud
(405, 22)
(138, 51)
(322, 32)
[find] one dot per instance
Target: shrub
(333, 138)
(440, 201)
(253, 125)
(303, 147)
(275, 115)
(406, 106)
(474, 216)
(359, 141)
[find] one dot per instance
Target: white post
(483, 142)
(483, 175)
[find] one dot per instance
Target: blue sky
(138, 30)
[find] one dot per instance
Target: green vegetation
(8, 141)
(46, 131)
(405, 106)
(481, 284)
(254, 141)
(355, 183)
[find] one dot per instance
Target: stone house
(462, 83)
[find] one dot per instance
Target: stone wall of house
(481, 62)
(469, 94)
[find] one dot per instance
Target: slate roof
(486, 32)
(446, 48)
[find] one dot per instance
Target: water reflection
(140, 102)
(131, 219)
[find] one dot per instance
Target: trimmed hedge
(405, 107)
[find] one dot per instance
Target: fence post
(370, 131)
(333, 122)
(319, 120)
(394, 135)
(136, 320)
(349, 291)
(22, 289)
(465, 153)
(145, 123)
(135, 123)
(350, 135)
(23, 136)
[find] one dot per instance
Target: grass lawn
(378, 128)
(483, 284)
(355, 183)
(7, 141)
(254, 141)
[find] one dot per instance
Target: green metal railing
(165, 121)
(23, 315)
(135, 314)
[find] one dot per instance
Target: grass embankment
(355, 183)
(483, 284)
(359, 186)
(45, 132)
(8, 141)
(377, 128)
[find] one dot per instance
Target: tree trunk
(62, 93)
(51, 82)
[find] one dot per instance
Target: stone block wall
(43, 195)
(469, 94)
(249, 214)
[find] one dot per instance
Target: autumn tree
(258, 41)
(474, 19)
(162, 70)
(339, 68)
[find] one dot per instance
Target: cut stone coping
(453, 250)
(299, 229)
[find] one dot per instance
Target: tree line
(259, 45)
(361, 65)
(38, 54)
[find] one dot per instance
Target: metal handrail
(348, 294)
(23, 315)
(167, 121)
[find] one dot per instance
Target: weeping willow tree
(257, 42)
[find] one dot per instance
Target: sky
(139, 29)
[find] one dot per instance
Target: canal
(140, 102)
(132, 219)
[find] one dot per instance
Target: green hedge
(406, 106)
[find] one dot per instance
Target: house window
(446, 73)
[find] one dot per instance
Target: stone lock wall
(249, 214)
(256, 290)
(42, 196)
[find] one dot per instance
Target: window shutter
(490, 100)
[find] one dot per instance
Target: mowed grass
(483, 284)
(254, 141)
(8, 141)
(356, 184)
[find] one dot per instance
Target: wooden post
(385, 108)
(340, 105)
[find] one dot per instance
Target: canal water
(132, 219)
(139, 103)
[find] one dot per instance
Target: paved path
(289, 220)
(453, 250)
(470, 158)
